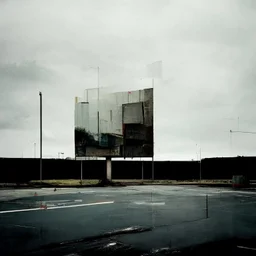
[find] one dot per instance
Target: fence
(24, 169)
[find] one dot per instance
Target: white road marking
(51, 189)
(57, 201)
(79, 205)
(50, 205)
(110, 244)
(201, 195)
(150, 203)
(61, 201)
(240, 192)
(21, 210)
(56, 207)
(21, 226)
(247, 248)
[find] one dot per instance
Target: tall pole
(98, 85)
(230, 143)
(196, 154)
(200, 166)
(41, 137)
(153, 171)
(98, 99)
(34, 150)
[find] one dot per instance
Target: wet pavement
(178, 215)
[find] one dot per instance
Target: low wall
(23, 169)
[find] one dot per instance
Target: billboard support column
(109, 168)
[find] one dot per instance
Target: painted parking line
(246, 248)
(79, 205)
(85, 192)
(56, 207)
(240, 192)
(57, 201)
(149, 203)
(21, 210)
(54, 202)
(23, 226)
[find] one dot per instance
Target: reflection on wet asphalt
(177, 215)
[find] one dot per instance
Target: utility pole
(153, 167)
(41, 137)
(200, 166)
(34, 150)
(98, 84)
(98, 98)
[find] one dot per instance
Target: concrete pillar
(109, 168)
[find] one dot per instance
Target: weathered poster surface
(117, 125)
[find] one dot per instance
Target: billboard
(115, 125)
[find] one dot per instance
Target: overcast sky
(208, 49)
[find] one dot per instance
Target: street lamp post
(153, 165)
(200, 161)
(41, 137)
(86, 93)
(34, 150)
(200, 166)
(98, 102)
(98, 71)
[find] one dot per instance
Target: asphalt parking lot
(179, 215)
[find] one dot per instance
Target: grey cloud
(250, 4)
(208, 53)
(18, 83)
(14, 117)
(25, 72)
(14, 122)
